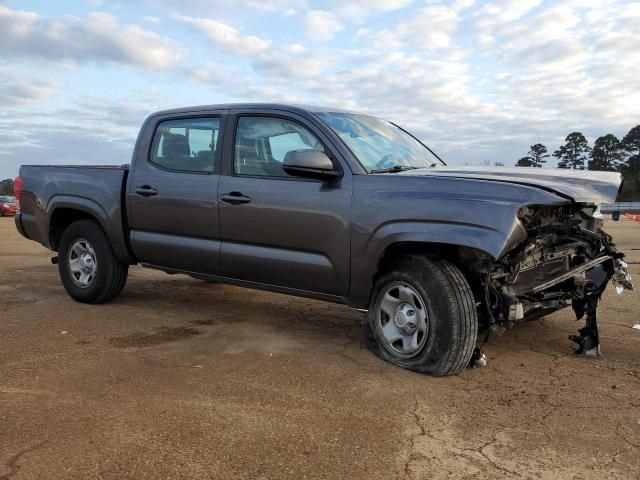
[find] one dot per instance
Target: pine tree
(631, 168)
(607, 154)
(538, 153)
(525, 162)
(573, 153)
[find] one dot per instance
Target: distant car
(7, 206)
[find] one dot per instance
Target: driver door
(278, 229)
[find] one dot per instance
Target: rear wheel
(88, 268)
(422, 316)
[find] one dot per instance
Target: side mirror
(310, 164)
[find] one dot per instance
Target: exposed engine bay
(566, 259)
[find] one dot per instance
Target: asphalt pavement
(179, 378)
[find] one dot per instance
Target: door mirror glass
(311, 164)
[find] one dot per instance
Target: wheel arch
(470, 247)
(472, 262)
(63, 210)
(462, 256)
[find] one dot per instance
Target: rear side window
(186, 145)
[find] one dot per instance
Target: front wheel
(422, 316)
(88, 268)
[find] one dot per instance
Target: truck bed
(97, 190)
(85, 167)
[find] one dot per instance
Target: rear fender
(111, 222)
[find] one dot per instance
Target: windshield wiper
(394, 169)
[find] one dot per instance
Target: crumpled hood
(583, 186)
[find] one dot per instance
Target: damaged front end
(565, 260)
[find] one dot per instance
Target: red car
(7, 206)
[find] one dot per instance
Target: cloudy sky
(475, 80)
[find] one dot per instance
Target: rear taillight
(17, 190)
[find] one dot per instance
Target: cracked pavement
(180, 378)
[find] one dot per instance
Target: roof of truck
(289, 107)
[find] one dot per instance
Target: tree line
(6, 187)
(607, 154)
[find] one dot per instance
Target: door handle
(146, 191)
(235, 198)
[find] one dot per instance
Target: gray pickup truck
(338, 206)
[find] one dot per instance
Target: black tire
(451, 317)
(111, 274)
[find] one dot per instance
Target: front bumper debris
(621, 277)
(567, 259)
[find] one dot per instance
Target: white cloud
(429, 28)
(475, 80)
(460, 5)
(553, 69)
(20, 90)
(501, 14)
(287, 66)
(89, 130)
(96, 37)
(152, 20)
(382, 5)
(502, 11)
(568, 66)
(321, 25)
(358, 10)
(236, 7)
(227, 38)
(236, 85)
(547, 38)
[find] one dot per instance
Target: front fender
(490, 240)
(493, 242)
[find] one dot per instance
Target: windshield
(378, 144)
(9, 200)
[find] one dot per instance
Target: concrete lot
(183, 379)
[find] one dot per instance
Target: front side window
(262, 143)
(187, 144)
(378, 144)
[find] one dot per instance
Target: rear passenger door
(278, 229)
(172, 193)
